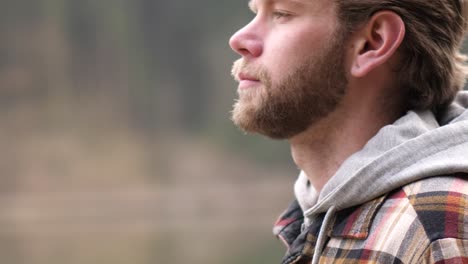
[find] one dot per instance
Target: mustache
(241, 66)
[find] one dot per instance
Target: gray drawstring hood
(417, 146)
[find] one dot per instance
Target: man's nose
(247, 41)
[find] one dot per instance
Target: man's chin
(254, 118)
(249, 125)
(242, 117)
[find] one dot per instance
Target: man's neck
(322, 148)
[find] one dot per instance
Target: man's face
(291, 73)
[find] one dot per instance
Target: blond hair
(432, 68)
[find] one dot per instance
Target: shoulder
(441, 205)
(413, 224)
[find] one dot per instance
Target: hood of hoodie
(418, 145)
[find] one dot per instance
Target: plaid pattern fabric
(423, 222)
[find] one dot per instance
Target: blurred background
(117, 143)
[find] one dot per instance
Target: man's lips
(247, 81)
(246, 77)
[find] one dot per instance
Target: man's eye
(280, 14)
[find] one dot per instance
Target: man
(367, 94)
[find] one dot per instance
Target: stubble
(308, 94)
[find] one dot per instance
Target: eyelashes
(280, 14)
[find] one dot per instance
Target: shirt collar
(353, 222)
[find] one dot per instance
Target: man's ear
(376, 42)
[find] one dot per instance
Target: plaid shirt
(423, 222)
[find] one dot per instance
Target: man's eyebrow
(253, 6)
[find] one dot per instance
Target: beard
(305, 96)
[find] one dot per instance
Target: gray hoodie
(416, 146)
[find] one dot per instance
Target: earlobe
(377, 42)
